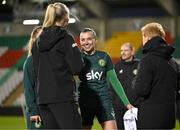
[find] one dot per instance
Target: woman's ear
(149, 38)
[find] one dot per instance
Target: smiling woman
(95, 99)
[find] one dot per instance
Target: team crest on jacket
(135, 71)
(102, 62)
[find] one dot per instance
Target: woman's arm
(112, 77)
(29, 88)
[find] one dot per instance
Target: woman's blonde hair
(55, 12)
(33, 38)
(153, 29)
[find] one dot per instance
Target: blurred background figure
(126, 70)
(30, 89)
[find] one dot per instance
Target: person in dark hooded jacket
(156, 81)
(56, 58)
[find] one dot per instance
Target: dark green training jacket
(30, 88)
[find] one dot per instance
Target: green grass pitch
(19, 123)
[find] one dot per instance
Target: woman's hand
(129, 106)
(35, 118)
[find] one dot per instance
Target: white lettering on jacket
(94, 75)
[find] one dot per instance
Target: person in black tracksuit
(126, 70)
(56, 58)
(155, 85)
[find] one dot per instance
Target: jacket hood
(49, 37)
(157, 46)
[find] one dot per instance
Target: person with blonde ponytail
(56, 60)
(32, 111)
